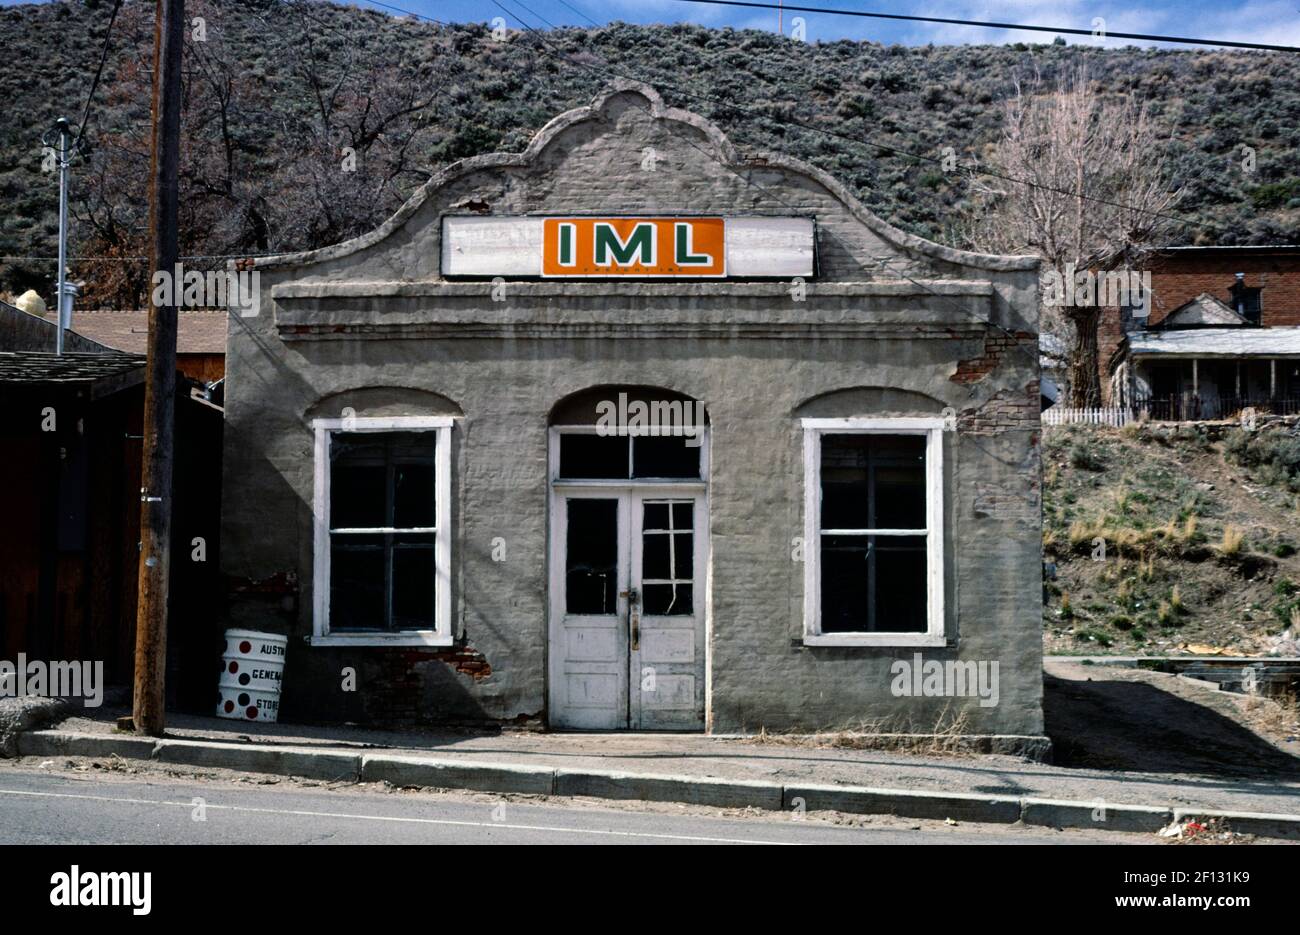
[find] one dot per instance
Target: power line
(882, 147)
(886, 262)
(94, 84)
(134, 259)
(947, 21)
(579, 12)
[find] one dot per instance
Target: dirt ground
(1117, 718)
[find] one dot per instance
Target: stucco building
(633, 431)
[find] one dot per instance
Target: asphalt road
(64, 804)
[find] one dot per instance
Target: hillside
(1201, 526)
(279, 93)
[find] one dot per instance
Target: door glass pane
(593, 457)
(668, 600)
(665, 456)
(873, 584)
(656, 556)
(667, 558)
(591, 557)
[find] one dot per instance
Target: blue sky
(1272, 21)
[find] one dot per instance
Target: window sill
(901, 640)
(412, 638)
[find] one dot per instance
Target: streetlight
(63, 300)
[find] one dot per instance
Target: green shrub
(1085, 458)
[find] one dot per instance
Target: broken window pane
(593, 457)
(668, 600)
(591, 548)
(873, 584)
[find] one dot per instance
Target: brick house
(1223, 334)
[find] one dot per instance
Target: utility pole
(64, 130)
(160, 377)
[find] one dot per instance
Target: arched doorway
(628, 560)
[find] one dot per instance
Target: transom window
(589, 455)
(874, 536)
(382, 531)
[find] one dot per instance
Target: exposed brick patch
(466, 660)
(394, 694)
(282, 582)
(1007, 410)
(996, 346)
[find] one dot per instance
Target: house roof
(1205, 309)
(199, 331)
(1217, 342)
(102, 373)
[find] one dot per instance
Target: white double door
(627, 608)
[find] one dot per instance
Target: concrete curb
(693, 790)
(262, 758)
(1107, 816)
(904, 803)
(66, 743)
(478, 776)
(458, 774)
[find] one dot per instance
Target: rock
(27, 713)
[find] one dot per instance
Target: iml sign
(632, 247)
(629, 247)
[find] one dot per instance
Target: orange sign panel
(656, 247)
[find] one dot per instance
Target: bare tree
(1080, 180)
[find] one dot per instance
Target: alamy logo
(658, 417)
(1126, 288)
(238, 291)
(76, 888)
(54, 679)
(955, 678)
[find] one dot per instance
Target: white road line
(392, 818)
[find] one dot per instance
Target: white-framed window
(382, 531)
(873, 532)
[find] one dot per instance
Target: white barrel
(252, 667)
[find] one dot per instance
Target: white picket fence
(1115, 416)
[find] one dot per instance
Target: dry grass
(1232, 540)
(947, 737)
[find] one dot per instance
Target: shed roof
(1217, 342)
(198, 331)
(101, 374)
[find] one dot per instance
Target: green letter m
(640, 244)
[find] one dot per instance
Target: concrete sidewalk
(727, 772)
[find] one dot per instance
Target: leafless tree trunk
(1079, 179)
